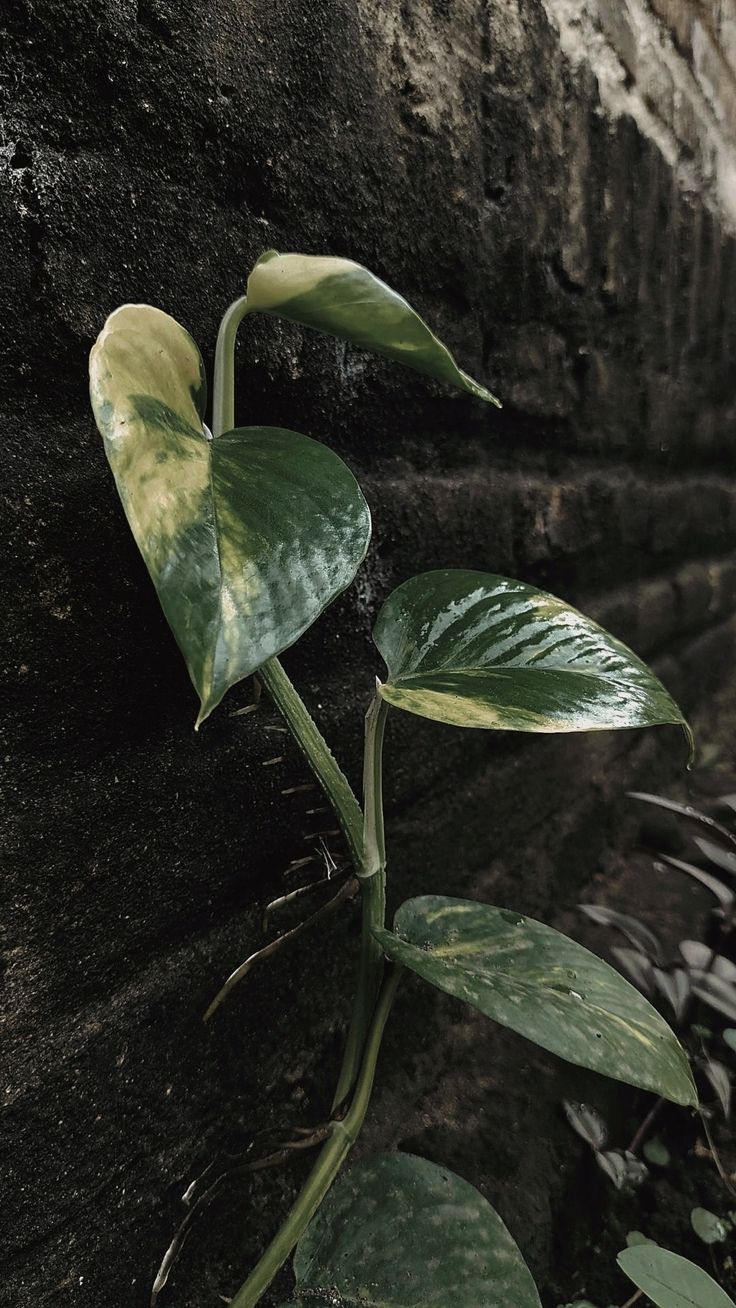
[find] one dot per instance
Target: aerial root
(309, 1137)
(347, 890)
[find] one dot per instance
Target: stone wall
(671, 66)
(534, 177)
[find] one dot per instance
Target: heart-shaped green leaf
(536, 981)
(344, 299)
(477, 650)
(248, 537)
(398, 1232)
(670, 1280)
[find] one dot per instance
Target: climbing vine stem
(343, 1134)
(223, 385)
(318, 754)
(372, 876)
(364, 837)
(373, 1003)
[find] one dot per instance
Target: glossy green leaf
(344, 299)
(399, 1232)
(477, 650)
(671, 1281)
(247, 538)
(536, 981)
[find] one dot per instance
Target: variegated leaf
(398, 1232)
(671, 1281)
(477, 650)
(346, 300)
(247, 538)
(550, 989)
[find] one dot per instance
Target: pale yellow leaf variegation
(247, 537)
(345, 300)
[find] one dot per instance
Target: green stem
(318, 755)
(223, 387)
(332, 1156)
(365, 838)
(374, 840)
(372, 874)
(300, 722)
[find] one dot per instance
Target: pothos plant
(248, 534)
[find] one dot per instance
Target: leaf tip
(480, 392)
(690, 738)
(484, 394)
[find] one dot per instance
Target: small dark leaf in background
(587, 1122)
(631, 927)
(638, 967)
(671, 1281)
(708, 1227)
(723, 858)
(693, 815)
(719, 1078)
(623, 1168)
(636, 1238)
(702, 958)
(714, 991)
(658, 1154)
(676, 988)
(722, 893)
